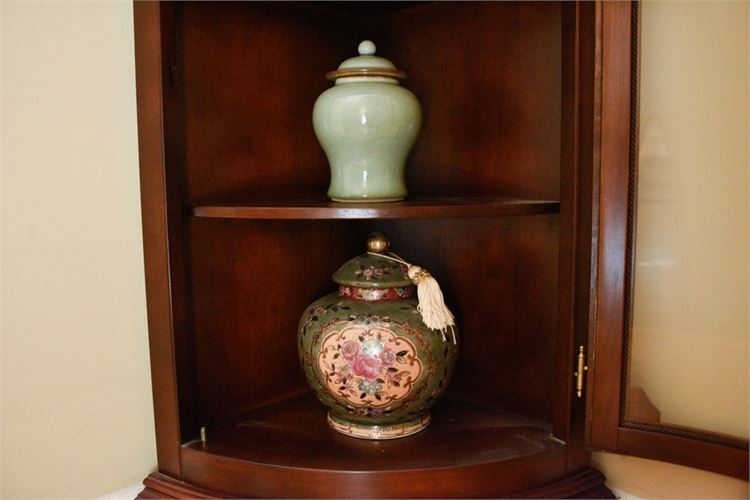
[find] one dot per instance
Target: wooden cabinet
(504, 208)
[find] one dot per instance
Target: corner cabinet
(518, 205)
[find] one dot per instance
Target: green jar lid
(370, 270)
(367, 64)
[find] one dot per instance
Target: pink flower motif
(350, 350)
(370, 272)
(366, 367)
(387, 357)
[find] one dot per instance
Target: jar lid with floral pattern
(372, 271)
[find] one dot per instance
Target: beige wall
(651, 479)
(76, 400)
(76, 409)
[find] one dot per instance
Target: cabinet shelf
(464, 438)
(414, 208)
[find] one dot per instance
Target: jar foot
(379, 432)
(367, 200)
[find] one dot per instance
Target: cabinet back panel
(500, 278)
(249, 74)
(252, 280)
(488, 75)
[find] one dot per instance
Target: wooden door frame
(614, 247)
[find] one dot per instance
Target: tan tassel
(435, 313)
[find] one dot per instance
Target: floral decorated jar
(367, 124)
(367, 353)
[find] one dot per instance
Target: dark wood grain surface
(286, 450)
(487, 75)
(250, 73)
(578, 157)
(499, 275)
(692, 451)
(587, 483)
(612, 225)
(149, 19)
(293, 433)
(491, 121)
(252, 280)
(414, 208)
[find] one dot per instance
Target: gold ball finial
(377, 243)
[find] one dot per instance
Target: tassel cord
(435, 313)
(392, 257)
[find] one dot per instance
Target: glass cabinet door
(688, 355)
(668, 346)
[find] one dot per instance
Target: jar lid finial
(377, 243)
(366, 48)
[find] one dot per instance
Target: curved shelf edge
(417, 208)
(232, 476)
(286, 449)
(588, 483)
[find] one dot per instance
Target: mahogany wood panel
(568, 212)
(294, 433)
(491, 120)
(248, 117)
(590, 132)
(589, 483)
(243, 271)
(252, 280)
(366, 8)
(250, 74)
(158, 485)
(488, 480)
(576, 215)
(499, 276)
(154, 186)
(417, 208)
(612, 224)
(692, 452)
(287, 451)
(179, 246)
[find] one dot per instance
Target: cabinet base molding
(158, 485)
(588, 483)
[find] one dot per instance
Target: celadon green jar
(367, 124)
(368, 355)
